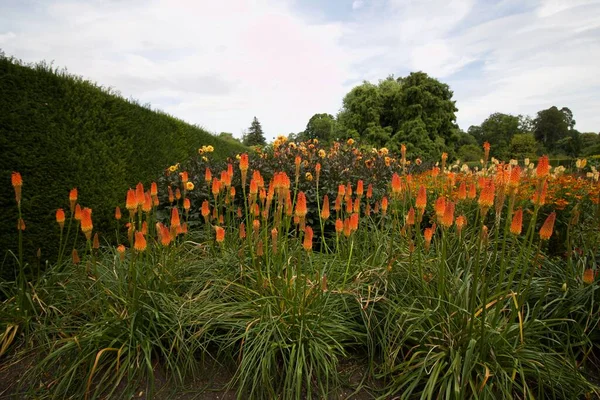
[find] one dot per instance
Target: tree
(321, 127)
(553, 125)
(228, 136)
(254, 136)
(498, 129)
(523, 145)
(398, 110)
(590, 143)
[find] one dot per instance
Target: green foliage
(416, 110)
(320, 127)
(523, 145)
(554, 128)
(470, 152)
(255, 135)
(498, 130)
(61, 131)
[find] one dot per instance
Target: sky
(219, 63)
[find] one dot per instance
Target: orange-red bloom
(147, 204)
(205, 209)
(588, 276)
(359, 188)
(301, 209)
(410, 217)
(448, 217)
(86, 222)
(171, 195)
(207, 175)
(517, 222)
(175, 221)
(461, 222)
(339, 225)
(216, 187)
(184, 177)
(421, 201)
(325, 211)
(17, 183)
(543, 167)
(462, 191)
(440, 207)
(73, 198)
(186, 204)
(220, 234)
(131, 202)
(140, 242)
(121, 250)
(60, 217)
(308, 237)
(140, 195)
(118, 213)
(384, 205)
(369, 191)
(77, 212)
(428, 235)
(547, 228)
(153, 189)
(396, 184)
(486, 198)
(96, 241)
(21, 224)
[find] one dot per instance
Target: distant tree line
(419, 111)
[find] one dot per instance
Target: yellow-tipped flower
(17, 183)
(60, 218)
(140, 242)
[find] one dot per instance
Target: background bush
(61, 131)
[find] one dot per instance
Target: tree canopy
(255, 135)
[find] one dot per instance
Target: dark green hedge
(61, 131)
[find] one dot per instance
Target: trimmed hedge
(61, 131)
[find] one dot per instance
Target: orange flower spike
(17, 183)
(308, 238)
(73, 198)
(205, 209)
(339, 226)
(96, 241)
(121, 250)
(369, 191)
(517, 222)
(175, 220)
(410, 217)
(472, 191)
(515, 177)
(140, 242)
(177, 194)
(147, 205)
(396, 185)
(230, 172)
(153, 189)
(421, 201)
(207, 175)
(347, 227)
(539, 197)
(486, 198)
(255, 226)
(338, 204)
(354, 222)
(60, 218)
(448, 217)
(588, 276)
(216, 187)
(543, 167)
(220, 234)
(140, 194)
(118, 213)
(486, 149)
(171, 195)
(131, 202)
(356, 205)
(184, 177)
(349, 206)
(77, 212)
(428, 235)
(86, 222)
(440, 207)
(548, 227)
(75, 257)
(301, 209)
(325, 211)
(461, 222)
(360, 188)
(244, 167)
(242, 231)
(384, 205)
(297, 162)
(462, 191)
(165, 236)
(318, 170)
(20, 224)
(348, 191)
(341, 190)
(253, 187)
(186, 204)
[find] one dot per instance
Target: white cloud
(220, 63)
